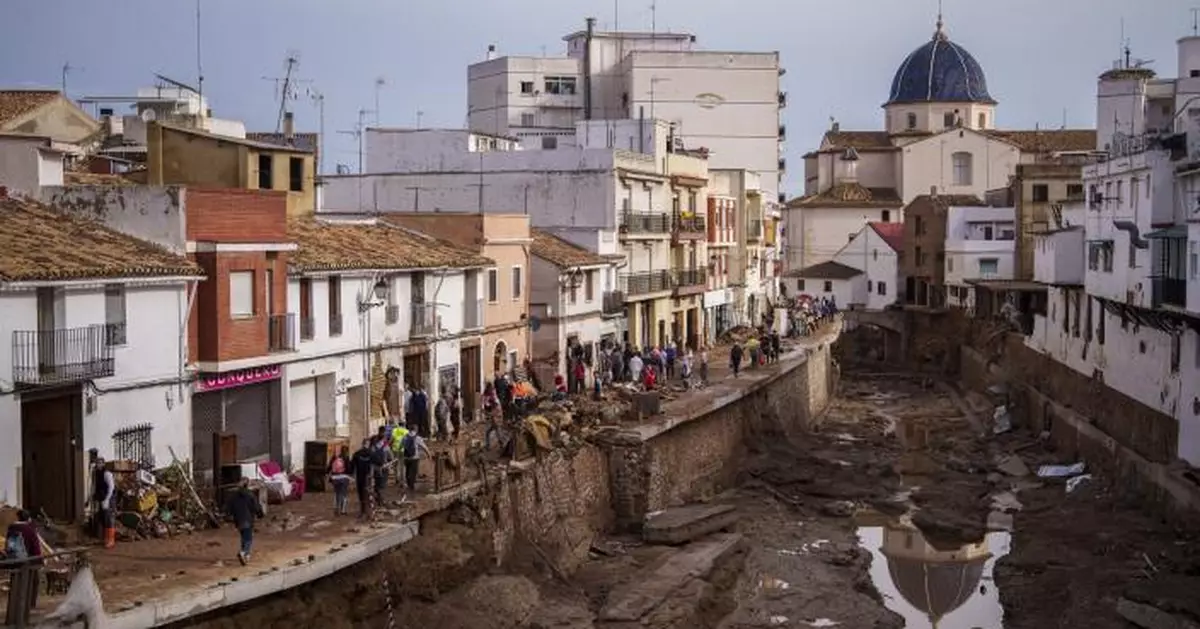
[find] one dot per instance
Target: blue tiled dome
(940, 72)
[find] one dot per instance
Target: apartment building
(96, 324)
(923, 265)
(723, 244)
(980, 246)
(752, 269)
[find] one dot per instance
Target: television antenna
(1196, 21)
(318, 98)
(379, 83)
(287, 86)
(357, 134)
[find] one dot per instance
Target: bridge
(894, 323)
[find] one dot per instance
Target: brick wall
(236, 216)
(217, 335)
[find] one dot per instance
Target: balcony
(613, 303)
(308, 327)
(693, 227)
(689, 281)
(424, 321)
(754, 229)
(645, 223)
(639, 284)
(335, 325)
(1170, 292)
(473, 314)
(281, 332)
(62, 356)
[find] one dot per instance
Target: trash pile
(159, 504)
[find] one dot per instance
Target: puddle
(931, 587)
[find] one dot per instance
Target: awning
(1174, 231)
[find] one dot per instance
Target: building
(574, 299)
(1039, 191)
(923, 265)
(875, 250)
(178, 155)
(28, 162)
(49, 114)
(845, 285)
(96, 323)
(724, 246)
(748, 266)
(728, 102)
(980, 245)
(380, 308)
(1134, 325)
(940, 134)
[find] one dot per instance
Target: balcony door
(47, 322)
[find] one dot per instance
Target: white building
(1135, 324)
(875, 250)
(727, 102)
(29, 162)
(844, 284)
(940, 133)
(573, 296)
(980, 245)
(96, 322)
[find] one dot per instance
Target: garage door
(302, 419)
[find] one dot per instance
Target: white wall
(26, 165)
(929, 163)
(154, 213)
(845, 292)
(869, 253)
(817, 234)
(1059, 258)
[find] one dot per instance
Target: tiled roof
(1048, 141)
(15, 103)
(302, 141)
(561, 253)
(859, 140)
(242, 141)
(827, 271)
(891, 233)
(942, 202)
(346, 245)
(77, 178)
(850, 194)
(37, 243)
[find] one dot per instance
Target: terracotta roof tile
(850, 195)
(254, 144)
(827, 271)
(77, 178)
(859, 140)
(561, 253)
(15, 103)
(37, 243)
(1048, 141)
(345, 245)
(891, 233)
(942, 202)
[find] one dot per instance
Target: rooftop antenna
(379, 83)
(66, 69)
(1124, 46)
(617, 16)
(357, 133)
(288, 90)
(1195, 22)
(653, 19)
(199, 60)
(319, 98)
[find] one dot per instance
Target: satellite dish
(148, 115)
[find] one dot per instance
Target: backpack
(14, 546)
(410, 446)
(339, 465)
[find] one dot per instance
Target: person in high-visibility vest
(398, 434)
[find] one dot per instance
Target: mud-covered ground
(879, 520)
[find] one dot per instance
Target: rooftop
(1047, 141)
(348, 245)
(891, 233)
(850, 194)
(300, 141)
(561, 253)
(942, 202)
(14, 103)
(829, 270)
(266, 146)
(37, 243)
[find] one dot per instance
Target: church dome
(939, 72)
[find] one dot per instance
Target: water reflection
(935, 588)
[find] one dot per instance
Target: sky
(1041, 57)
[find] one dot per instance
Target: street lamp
(379, 291)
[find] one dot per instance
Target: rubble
(680, 525)
(639, 598)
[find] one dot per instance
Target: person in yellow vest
(398, 434)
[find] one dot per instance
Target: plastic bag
(82, 602)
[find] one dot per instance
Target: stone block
(680, 525)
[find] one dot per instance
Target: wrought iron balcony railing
(636, 284)
(62, 356)
(613, 302)
(281, 332)
(645, 223)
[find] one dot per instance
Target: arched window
(912, 121)
(961, 163)
(982, 121)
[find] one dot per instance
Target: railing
(281, 332)
(634, 284)
(391, 315)
(473, 314)
(308, 328)
(695, 225)
(645, 222)
(424, 320)
(335, 325)
(1169, 291)
(133, 444)
(613, 302)
(47, 357)
(690, 277)
(754, 229)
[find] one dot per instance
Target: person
(685, 367)
(456, 412)
(649, 378)
(752, 347)
(580, 376)
(21, 541)
(703, 369)
(381, 455)
(361, 465)
(104, 489)
(398, 432)
(418, 411)
(244, 507)
(635, 368)
(339, 477)
(560, 388)
(414, 450)
(670, 354)
(735, 359)
(441, 414)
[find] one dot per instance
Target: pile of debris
(159, 504)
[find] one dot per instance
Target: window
(335, 305)
(493, 286)
(885, 216)
(266, 175)
(1074, 191)
(1120, 190)
(874, 254)
(920, 257)
(1175, 352)
(527, 119)
(692, 201)
(948, 119)
(1193, 260)
(912, 121)
(988, 266)
(241, 293)
(560, 85)
(961, 163)
(589, 286)
(296, 174)
(306, 308)
(881, 288)
(1007, 233)
(526, 87)
(950, 264)
(919, 225)
(799, 284)
(573, 283)
(988, 232)
(549, 142)
(1106, 256)
(1088, 329)
(1132, 253)
(982, 121)
(517, 283)
(114, 315)
(1133, 192)
(828, 286)
(1041, 193)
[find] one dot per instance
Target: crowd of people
(808, 313)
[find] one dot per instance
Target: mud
(899, 480)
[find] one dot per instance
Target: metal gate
(206, 421)
(244, 411)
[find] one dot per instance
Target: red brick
(236, 216)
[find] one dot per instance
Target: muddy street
(902, 510)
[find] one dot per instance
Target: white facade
(29, 162)
(846, 292)
(868, 252)
(570, 306)
(980, 245)
(1058, 254)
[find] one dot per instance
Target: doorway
(52, 455)
(500, 358)
(468, 358)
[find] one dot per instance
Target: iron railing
(696, 225)
(308, 328)
(281, 332)
(472, 314)
(690, 277)
(424, 320)
(1169, 291)
(645, 222)
(634, 284)
(133, 444)
(335, 325)
(49, 357)
(613, 302)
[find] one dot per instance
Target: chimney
(289, 128)
(933, 191)
(491, 53)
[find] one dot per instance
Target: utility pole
(653, 18)
(66, 69)
(357, 133)
(379, 83)
(199, 60)
(420, 115)
(319, 98)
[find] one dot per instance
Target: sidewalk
(159, 579)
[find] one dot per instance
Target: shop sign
(239, 378)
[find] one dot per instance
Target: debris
(1013, 465)
(1006, 502)
(1001, 420)
(1000, 521)
(684, 524)
(1149, 617)
(772, 583)
(1075, 481)
(838, 509)
(635, 599)
(822, 622)
(1061, 471)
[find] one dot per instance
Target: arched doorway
(500, 358)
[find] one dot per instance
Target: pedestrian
(104, 489)
(420, 402)
(381, 456)
(580, 376)
(491, 410)
(414, 450)
(339, 477)
(635, 368)
(244, 507)
(456, 412)
(21, 541)
(735, 359)
(703, 370)
(753, 348)
(361, 466)
(669, 356)
(649, 379)
(441, 414)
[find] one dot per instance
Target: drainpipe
(587, 69)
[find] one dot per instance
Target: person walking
(456, 413)
(244, 507)
(361, 467)
(21, 541)
(419, 411)
(339, 477)
(735, 359)
(414, 450)
(703, 368)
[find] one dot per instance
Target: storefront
(718, 314)
(244, 404)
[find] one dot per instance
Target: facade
(574, 299)
(97, 359)
(875, 250)
(1125, 310)
(748, 266)
(923, 265)
(1039, 191)
(727, 102)
(940, 135)
(47, 113)
(28, 162)
(980, 245)
(845, 285)
(723, 247)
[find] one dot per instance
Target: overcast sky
(1041, 57)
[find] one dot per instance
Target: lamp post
(377, 298)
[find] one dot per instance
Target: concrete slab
(680, 525)
(1012, 465)
(632, 601)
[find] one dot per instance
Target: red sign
(239, 378)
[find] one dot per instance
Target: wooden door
(469, 359)
(50, 448)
